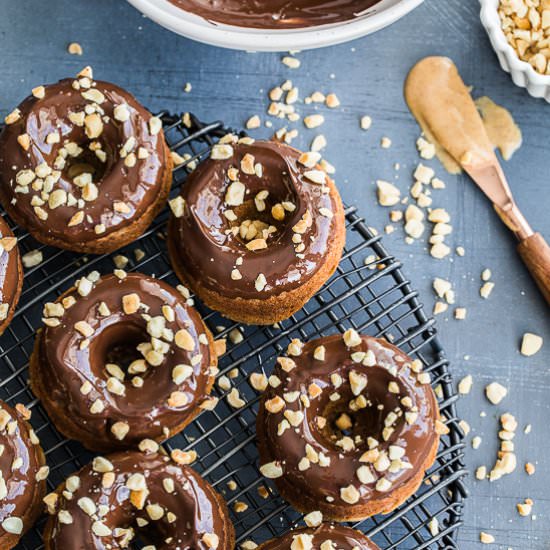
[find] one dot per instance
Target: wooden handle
(535, 253)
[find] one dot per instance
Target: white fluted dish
(523, 75)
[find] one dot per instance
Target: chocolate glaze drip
(276, 14)
(65, 366)
(10, 266)
(135, 186)
(208, 252)
(342, 538)
(197, 508)
(389, 365)
(20, 449)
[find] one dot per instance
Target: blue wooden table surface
(367, 75)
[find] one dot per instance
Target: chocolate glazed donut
(23, 474)
(324, 536)
(257, 230)
(116, 498)
(83, 166)
(11, 275)
(122, 358)
(350, 428)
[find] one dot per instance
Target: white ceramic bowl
(242, 38)
(523, 75)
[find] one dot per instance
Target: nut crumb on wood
(465, 385)
(486, 538)
(74, 48)
(495, 392)
(530, 344)
(291, 62)
(365, 122)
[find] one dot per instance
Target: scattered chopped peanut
(531, 344)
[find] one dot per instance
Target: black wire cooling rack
(368, 292)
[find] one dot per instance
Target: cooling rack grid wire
(368, 292)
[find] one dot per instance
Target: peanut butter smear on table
(449, 118)
(501, 128)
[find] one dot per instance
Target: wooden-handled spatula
(532, 247)
(448, 116)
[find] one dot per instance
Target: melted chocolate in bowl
(276, 14)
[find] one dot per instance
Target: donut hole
(266, 214)
(251, 224)
(139, 536)
(123, 354)
(118, 346)
(349, 419)
(155, 534)
(87, 162)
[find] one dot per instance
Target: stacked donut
(348, 423)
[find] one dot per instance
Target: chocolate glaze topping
(10, 270)
(341, 537)
(23, 474)
(354, 418)
(208, 239)
(125, 494)
(79, 159)
(276, 14)
(110, 376)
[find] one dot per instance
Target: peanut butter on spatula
(444, 109)
(442, 105)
